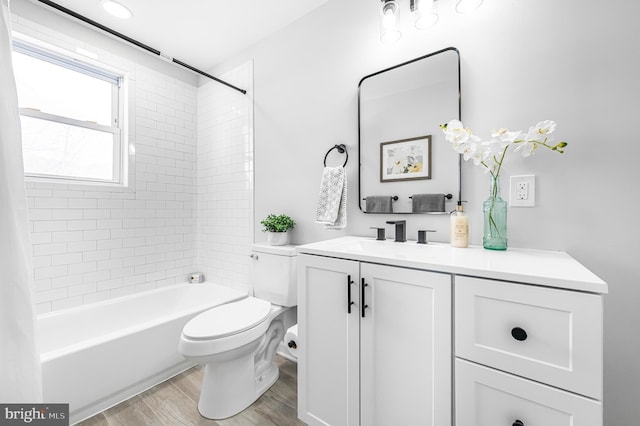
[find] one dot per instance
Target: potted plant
(277, 229)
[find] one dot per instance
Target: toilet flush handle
(254, 256)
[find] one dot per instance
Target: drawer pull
(349, 301)
(519, 334)
(518, 423)
(362, 302)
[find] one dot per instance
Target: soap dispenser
(459, 227)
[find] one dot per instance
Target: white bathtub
(97, 355)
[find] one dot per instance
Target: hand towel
(425, 203)
(379, 204)
(332, 202)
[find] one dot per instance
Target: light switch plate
(522, 191)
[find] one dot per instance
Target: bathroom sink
(389, 249)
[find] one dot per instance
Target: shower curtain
(20, 375)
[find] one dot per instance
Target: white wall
(522, 61)
(94, 242)
(225, 179)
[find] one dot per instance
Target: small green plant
(275, 223)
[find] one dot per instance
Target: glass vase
(495, 218)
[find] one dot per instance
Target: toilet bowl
(236, 342)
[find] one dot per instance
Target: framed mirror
(406, 165)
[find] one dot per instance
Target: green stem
(494, 190)
(556, 147)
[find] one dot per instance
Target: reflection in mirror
(406, 166)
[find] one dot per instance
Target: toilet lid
(228, 319)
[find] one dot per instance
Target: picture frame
(405, 159)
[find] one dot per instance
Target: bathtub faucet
(196, 277)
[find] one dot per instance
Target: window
(71, 114)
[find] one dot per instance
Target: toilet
(236, 342)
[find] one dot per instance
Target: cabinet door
(488, 397)
(405, 347)
(328, 353)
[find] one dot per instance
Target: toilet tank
(273, 274)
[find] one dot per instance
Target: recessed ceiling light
(117, 9)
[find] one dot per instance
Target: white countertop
(547, 268)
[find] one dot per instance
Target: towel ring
(342, 149)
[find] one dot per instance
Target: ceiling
(202, 33)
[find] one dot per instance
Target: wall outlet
(522, 191)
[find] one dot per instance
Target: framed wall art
(405, 159)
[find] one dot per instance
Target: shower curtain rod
(136, 43)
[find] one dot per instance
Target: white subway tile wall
(225, 179)
(92, 242)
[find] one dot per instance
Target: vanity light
(116, 9)
(423, 14)
(389, 18)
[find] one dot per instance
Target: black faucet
(401, 231)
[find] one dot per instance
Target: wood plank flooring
(175, 402)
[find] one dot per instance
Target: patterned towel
(332, 203)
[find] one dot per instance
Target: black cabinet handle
(362, 303)
(519, 334)
(518, 423)
(349, 301)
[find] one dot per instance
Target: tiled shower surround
(225, 179)
(188, 206)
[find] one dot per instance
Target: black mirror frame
(459, 118)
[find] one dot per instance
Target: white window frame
(118, 129)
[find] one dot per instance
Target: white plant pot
(278, 238)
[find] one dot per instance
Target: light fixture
(116, 9)
(423, 13)
(466, 6)
(389, 19)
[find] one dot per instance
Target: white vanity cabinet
(374, 342)
(448, 336)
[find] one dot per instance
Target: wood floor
(175, 402)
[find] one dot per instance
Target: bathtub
(97, 355)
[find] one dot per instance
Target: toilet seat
(243, 335)
(227, 320)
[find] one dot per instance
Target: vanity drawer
(487, 397)
(549, 335)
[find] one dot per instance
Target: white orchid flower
(527, 148)
(475, 151)
(541, 131)
(480, 156)
(493, 147)
(456, 133)
(491, 154)
(504, 136)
